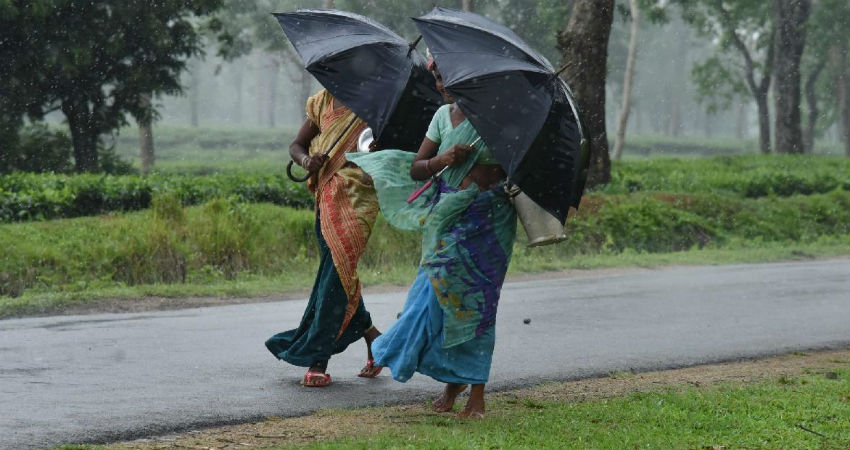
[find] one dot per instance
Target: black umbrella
(370, 69)
(512, 96)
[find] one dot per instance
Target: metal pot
(541, 227)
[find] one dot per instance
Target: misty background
(266, 88)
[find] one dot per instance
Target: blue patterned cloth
(447, 327)
(415, 343)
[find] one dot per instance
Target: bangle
(304, 159)
(428, 166)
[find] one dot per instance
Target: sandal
(370, 370)
(316, 379)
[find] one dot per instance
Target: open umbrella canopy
(370, 69)
(524, 112)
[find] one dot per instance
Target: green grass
(526, 261)
(664, 211)
(764, 415)
(236, 249)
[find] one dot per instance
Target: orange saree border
(340, 225)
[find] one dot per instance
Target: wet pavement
(105, 377)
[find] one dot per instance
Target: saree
(446, 329)
(346, 208)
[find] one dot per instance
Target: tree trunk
(842, 81)
(84, 137)
(742, 118)
(584, 46)
(304, 89)
(680, 69)
(812, 102)
(274, 73)
(260, 88)
(146, 152)
(194, 92)
(790, 19)
(764, 122)
(628, 78)
(466, 5)
(237, 81)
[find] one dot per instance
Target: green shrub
(224, 234)
(652, 226)
(49, 196)
(747, 176)
(37, 149)
(229, 239)
(154, 255)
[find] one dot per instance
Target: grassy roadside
(294, 285)
(655, 212)
(801, 400)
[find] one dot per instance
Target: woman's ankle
(318, 366)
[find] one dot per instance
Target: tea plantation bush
(227, 238)
(746, 176)
(51, 196)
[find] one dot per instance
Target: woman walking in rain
(346, 208)
(447, 327)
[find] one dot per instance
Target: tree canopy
(93, 60)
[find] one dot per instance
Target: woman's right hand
(456, 155)
(313, 163)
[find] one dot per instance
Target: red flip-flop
(316, 379)
(370, 370)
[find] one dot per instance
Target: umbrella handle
(293, 177)
(327, 152)
(413, 45)
(415, 194)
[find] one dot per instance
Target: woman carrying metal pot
(447, 327)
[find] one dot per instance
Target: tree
(145, 120)
(536, 21)
(584, 46)
(790, 19)
(628, 78)
(743, 60)
(827, 71)
(21, 87)
(99, 58)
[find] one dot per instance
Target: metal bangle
(305, 158)
(428, 166)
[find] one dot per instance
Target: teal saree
(467, 239)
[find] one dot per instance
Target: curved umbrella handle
(293, 177)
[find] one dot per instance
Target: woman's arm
(423, 167)
(427, 163)
(298, 149)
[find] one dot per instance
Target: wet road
(105, 377)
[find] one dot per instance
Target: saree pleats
(316, 338)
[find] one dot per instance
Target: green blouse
(441, 126)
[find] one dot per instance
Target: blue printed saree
(446, 329)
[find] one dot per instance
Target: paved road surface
(103, 377)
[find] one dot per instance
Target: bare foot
(446, 401)
(370, 370)
(474, 408)
(370, 335)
